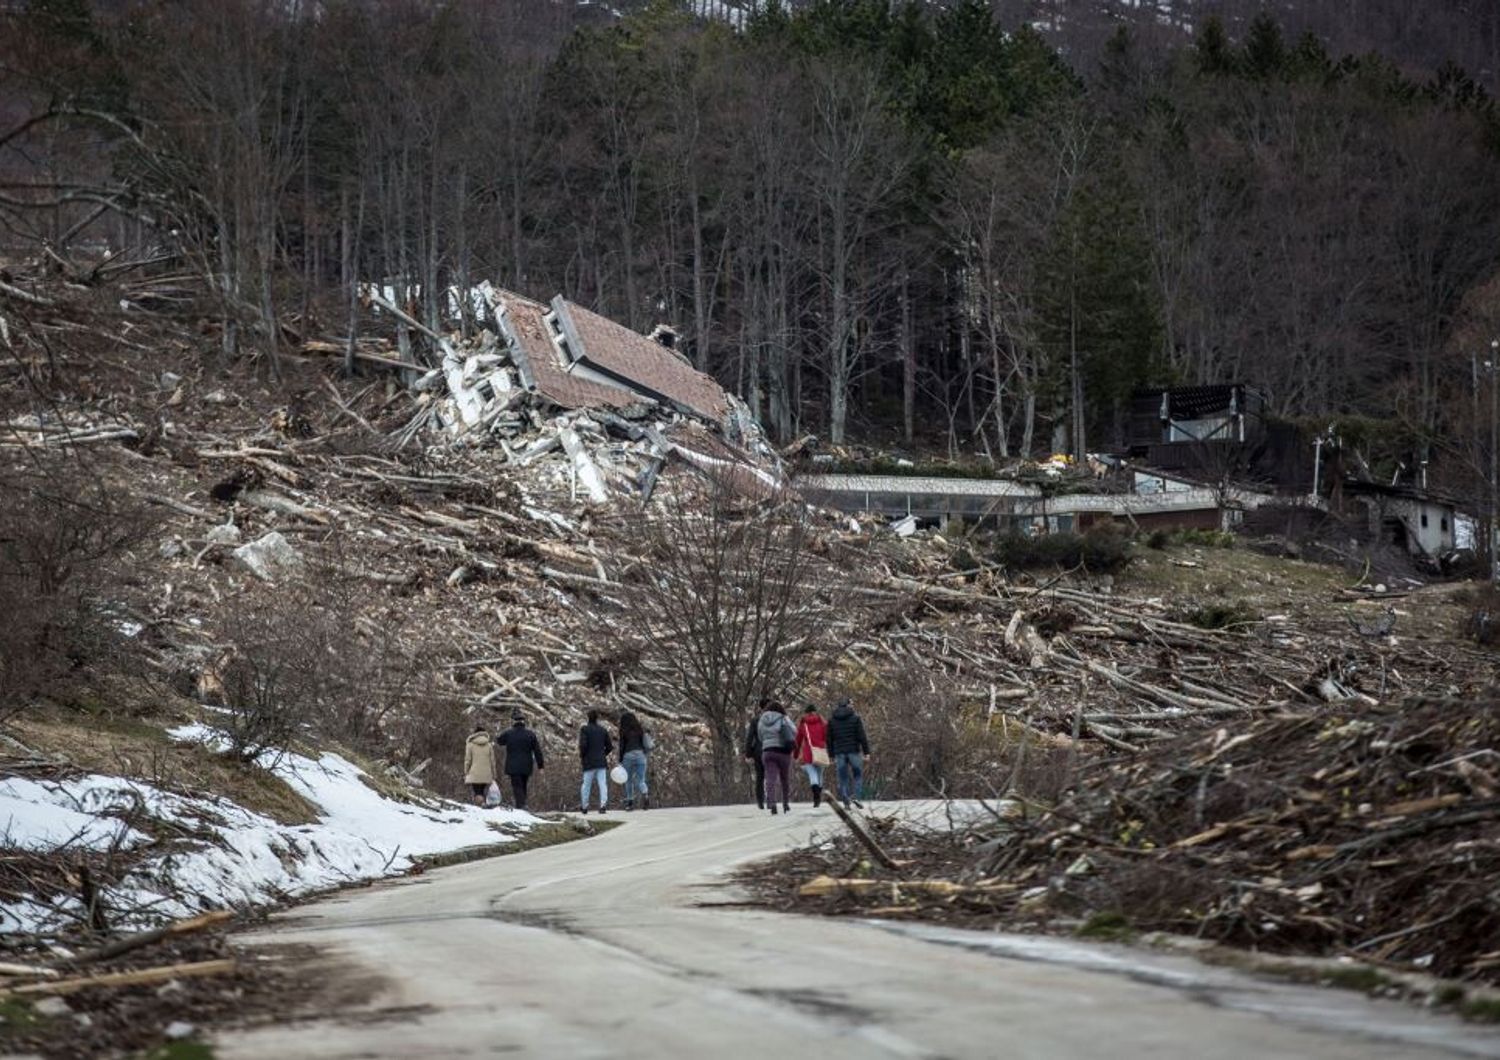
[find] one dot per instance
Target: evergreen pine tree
(1309, 59)
(1212, 49)
(1265, 51)
(1098, 308)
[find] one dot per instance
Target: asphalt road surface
(629, 945)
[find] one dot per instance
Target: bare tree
(771, 220)
(859, 161)
(226, 89)
(729, 605)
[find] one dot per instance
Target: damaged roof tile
(524, 328)
(632, 359)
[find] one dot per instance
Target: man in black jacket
(849, 747)
(752, 752)
(523, 752)
(594, 749)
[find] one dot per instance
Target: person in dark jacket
(523, 753)
(778, 738)
(594, 749)
(849, 747)
(752, 754)
(633, 754)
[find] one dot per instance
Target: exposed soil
(123, 1021)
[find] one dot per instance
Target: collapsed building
(540, 377)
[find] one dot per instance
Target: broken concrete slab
(584, 466)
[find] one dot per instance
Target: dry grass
(1309, 593)
(1268, 581)
(117, 742)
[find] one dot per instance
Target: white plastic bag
(618, 775)
(492, 795)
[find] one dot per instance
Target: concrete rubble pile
(595, 406)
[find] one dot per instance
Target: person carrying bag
(778, 738)
(812, 750)
(479, 764)
(635, 745)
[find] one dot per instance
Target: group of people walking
(595, 745)
(773, 743)
(523, 758)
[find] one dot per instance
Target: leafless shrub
(273, 678)
(330, 655)
(1481, 623)
(64, 534)
(429, 740)
(928, 742)
(383, 662)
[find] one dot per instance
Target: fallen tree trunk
(275, 502)
(865, 838)
(824, 886)
(147, 938)
(140, 977)
(16, 294)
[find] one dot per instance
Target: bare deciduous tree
(731, 604)
(859, 160)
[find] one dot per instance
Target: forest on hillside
(888, 222)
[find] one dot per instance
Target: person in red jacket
(812, 749)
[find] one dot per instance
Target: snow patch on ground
(42, 816)
(233, 857)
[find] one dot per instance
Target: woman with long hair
(812, 749)
(634, 746)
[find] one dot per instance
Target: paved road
(614, 947)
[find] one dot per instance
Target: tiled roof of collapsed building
(638, 362)
(523, 327)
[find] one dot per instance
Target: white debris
(224, 534)
(905, 526)
(584, 466)
(268, 557)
